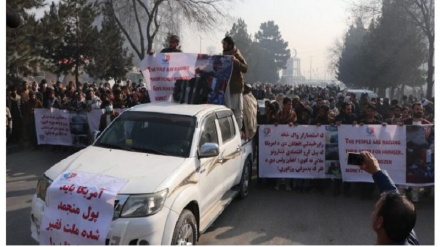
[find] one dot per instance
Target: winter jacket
(236, 84)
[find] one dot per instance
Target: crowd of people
(331, 105)
(283, 104)
(21, 102)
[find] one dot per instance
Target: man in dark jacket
(236, 83)
(173, 44)
(417, 117)
(394, 216)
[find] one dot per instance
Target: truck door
(230, 148)
(211, 174)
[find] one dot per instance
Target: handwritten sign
(79, 209)
(386, 143)
(53, 126)
(297, 151)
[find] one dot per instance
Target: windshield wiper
(114, 146)
(149, 150)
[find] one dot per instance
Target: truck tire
(186, 229)
(245, 180)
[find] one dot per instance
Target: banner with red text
(79, 209)
(386, 143)
(406, 152)
(162, 70)
(292, 151)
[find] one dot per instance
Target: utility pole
(310, 71)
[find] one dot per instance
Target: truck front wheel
(185, 232)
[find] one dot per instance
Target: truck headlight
(42, 185)
(144, 205)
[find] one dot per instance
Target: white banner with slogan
(386, 143)
(292, 151)
(406, 152)
(79, 209)
(161, 70)
(53, 126)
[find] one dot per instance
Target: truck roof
(175, 108)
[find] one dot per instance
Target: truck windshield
(163, 134)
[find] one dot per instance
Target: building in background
(291, 75)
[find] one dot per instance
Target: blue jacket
(385, 183)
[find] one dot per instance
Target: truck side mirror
(208, 149)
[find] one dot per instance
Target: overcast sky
(310, 27)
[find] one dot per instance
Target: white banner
(297, 151)
(386, 143)
(79, 209)
(53, 127)
(161, 70)
(93, 118)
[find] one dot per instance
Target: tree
(141, 20)
(262, 69)
(422, 14)
(51, 34)
(350, 63)
(21, 55)
(111, 59)
(269, 38)
(79, 43)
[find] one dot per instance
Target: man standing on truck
(173, 44)
(236, 83)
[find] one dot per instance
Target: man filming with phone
(394, 216)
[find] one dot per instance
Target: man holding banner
(236, 83)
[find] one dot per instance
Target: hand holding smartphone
(355, 159)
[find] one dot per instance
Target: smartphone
(355, 159)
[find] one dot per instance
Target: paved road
(266, 217)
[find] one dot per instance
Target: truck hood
(144, 172)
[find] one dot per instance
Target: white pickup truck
(188, 159)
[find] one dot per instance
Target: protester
(370, 115)
(236, 83)
(24, 92)
(8, 124)
(51, 100)
(29, 117)
(78, 103)
(394, 216)
(92, 101)
(286, 116)
(13, 102)
(173, 44)
(108, 116)
(397, 114)
(250, 107)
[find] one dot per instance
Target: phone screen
(354, 159)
